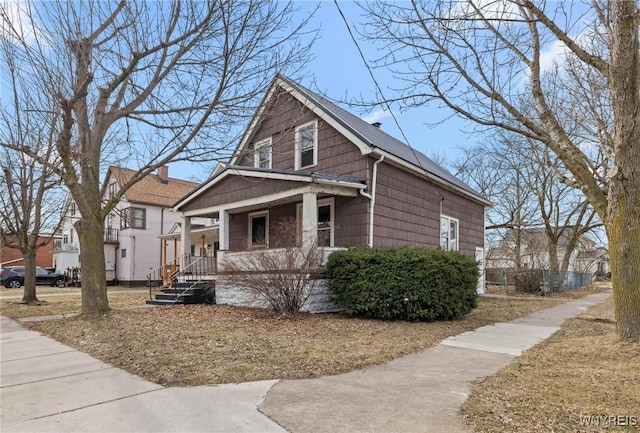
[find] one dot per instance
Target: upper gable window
(262, 157)
(306, 145)
(112, 189)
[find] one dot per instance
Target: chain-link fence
(558, 281)
(506, 280)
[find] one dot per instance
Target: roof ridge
(378, 139)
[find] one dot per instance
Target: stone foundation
(319, 301)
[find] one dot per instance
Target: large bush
(407, 283)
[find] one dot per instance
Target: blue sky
(339, 72)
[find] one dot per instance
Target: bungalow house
(132, 247)
(342, 180)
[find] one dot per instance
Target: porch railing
(199, 270)
(188, 270)
(163, 275)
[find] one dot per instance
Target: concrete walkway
(49, 387)
(422, 392)
(46, 386)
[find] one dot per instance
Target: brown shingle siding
(408, 212)
(235, 188)
(336, 155)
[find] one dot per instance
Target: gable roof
(368, 138)
(150, 189)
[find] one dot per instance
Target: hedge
(403, 283)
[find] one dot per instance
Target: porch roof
(300, 182)
(196, 230)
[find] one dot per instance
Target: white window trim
(297, 158)
(264, 213)
(332, 209)
(256, 153)
(449, 220)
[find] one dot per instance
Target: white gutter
(372, 197)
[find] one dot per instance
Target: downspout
(372, 197)
(132, 271)
(161, 233)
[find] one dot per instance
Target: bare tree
(30, 195)
(499, 177)
(487, 61)
(147, 83)
(520, 178)
(283, 274)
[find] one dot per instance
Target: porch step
(187, 294)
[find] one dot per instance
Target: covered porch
(249, 205)
(203, 241)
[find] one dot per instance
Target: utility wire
(384, 102)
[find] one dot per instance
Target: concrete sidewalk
(46, 386)
(422, 392)
(49, 387)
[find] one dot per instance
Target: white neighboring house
(66, 249)
(133, 247)
(587, 257)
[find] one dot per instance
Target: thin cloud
(15, 21)
(377, 116)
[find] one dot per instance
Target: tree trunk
(94, 281)
(623, 212)
(29, 262)
(624, 254)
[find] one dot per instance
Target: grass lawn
(565, 383)
(210, 344)
(64, 301)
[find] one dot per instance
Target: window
(325, 225)
(325, 222)
(258, 229)
(123, 253)
(134, 217)
(112, 189)
(65, 238)
(448, 233)
(306, 145)
(263, 154)
(73, 208)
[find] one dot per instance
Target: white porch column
(309, 219)
(185, 236)
(223, 230)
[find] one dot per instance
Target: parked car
(13, 277)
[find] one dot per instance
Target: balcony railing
(110, 235)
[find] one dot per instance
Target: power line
(375, 81)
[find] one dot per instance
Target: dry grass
(64, 301)
(583, 370)
(495, 289)
(198, 344)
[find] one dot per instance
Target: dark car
(13, 277)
